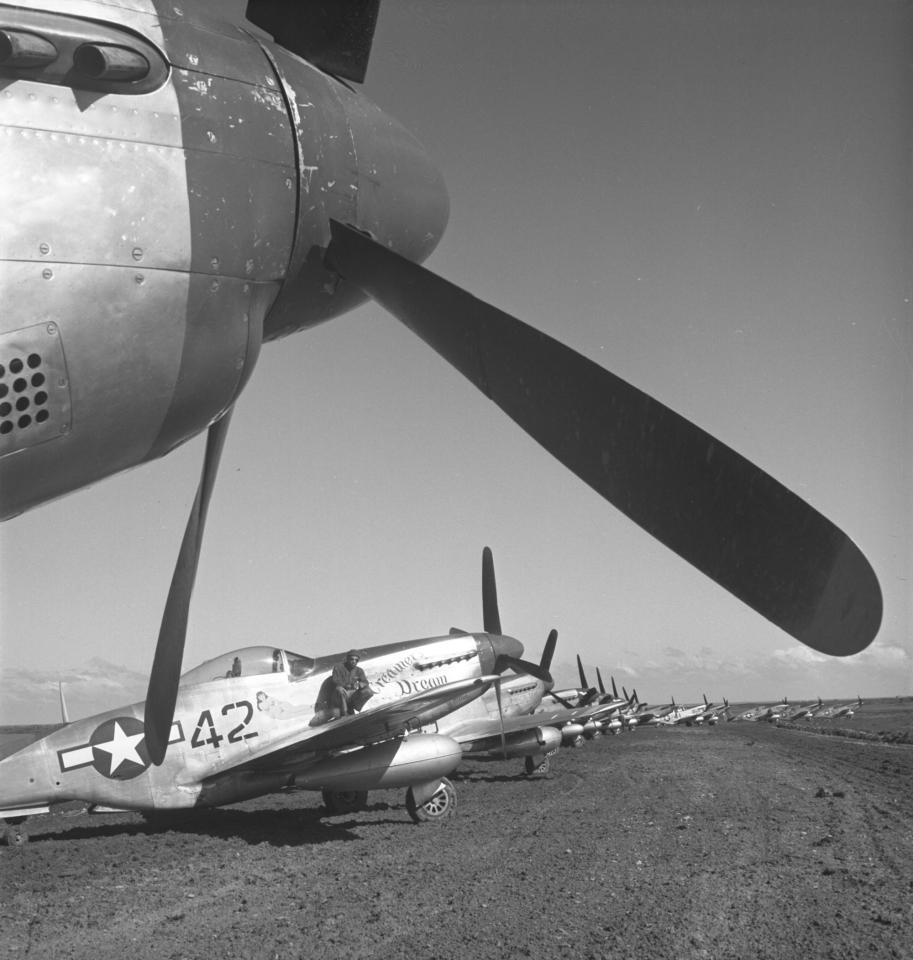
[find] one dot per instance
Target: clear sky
(711, 199)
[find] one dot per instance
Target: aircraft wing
(382, 722)
(562, 715)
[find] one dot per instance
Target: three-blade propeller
(491, 619)
(716, 509)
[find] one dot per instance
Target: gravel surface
(742, 840)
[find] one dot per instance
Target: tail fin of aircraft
(599, 681)
(64, 714)
(615, 690)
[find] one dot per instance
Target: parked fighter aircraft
(259, 719)
(712, 713)
(694, 714)
(764, 712)
(643, 714)
(501, 724)
(498, 724)
(804, 713)
(234, 190)
(585, 714)
(844, 710)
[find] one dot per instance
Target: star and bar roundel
(116, 748)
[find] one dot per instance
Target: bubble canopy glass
(250, 662)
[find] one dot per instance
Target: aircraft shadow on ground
(280, 828)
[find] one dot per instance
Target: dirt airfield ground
(743, 840)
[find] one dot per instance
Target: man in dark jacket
(350, 686)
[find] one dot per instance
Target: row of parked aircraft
(261, 719)
(784, 711)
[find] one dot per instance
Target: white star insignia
(122, 747)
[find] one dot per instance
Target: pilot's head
(352, 657)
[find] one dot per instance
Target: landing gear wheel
(15, 833)
(441, 806)
(344, 801)
(532, 767)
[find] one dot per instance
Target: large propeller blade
(491, 618)
(587, 693)
(548, 651)
(501, 717)
(161, 695)
(709, 504)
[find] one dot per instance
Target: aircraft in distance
(233, 190)
(712, 713)
(846, 710)
(694, 714)
(765, 712)
(581, 717)
(612, 708)
(642, 715)
(804, 713)
(259, 719)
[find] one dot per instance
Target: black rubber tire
(440, 807)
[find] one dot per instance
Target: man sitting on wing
(350, 686)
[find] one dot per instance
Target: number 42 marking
(234, 735)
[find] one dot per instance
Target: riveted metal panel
(219, 47)
(84, 199)
(134, 13)
(226, 116)
(221, 344)
(34, 387)
(151, 119)
(241, 212)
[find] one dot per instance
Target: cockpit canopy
(250, 662)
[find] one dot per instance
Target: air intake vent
(34, 387)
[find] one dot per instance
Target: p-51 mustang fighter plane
(806, 712)
(696, 713)
(840, 710)
(259, 719)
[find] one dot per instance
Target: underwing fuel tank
(571, 733)
(395, 763)
(167, 186)
(524, 743)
